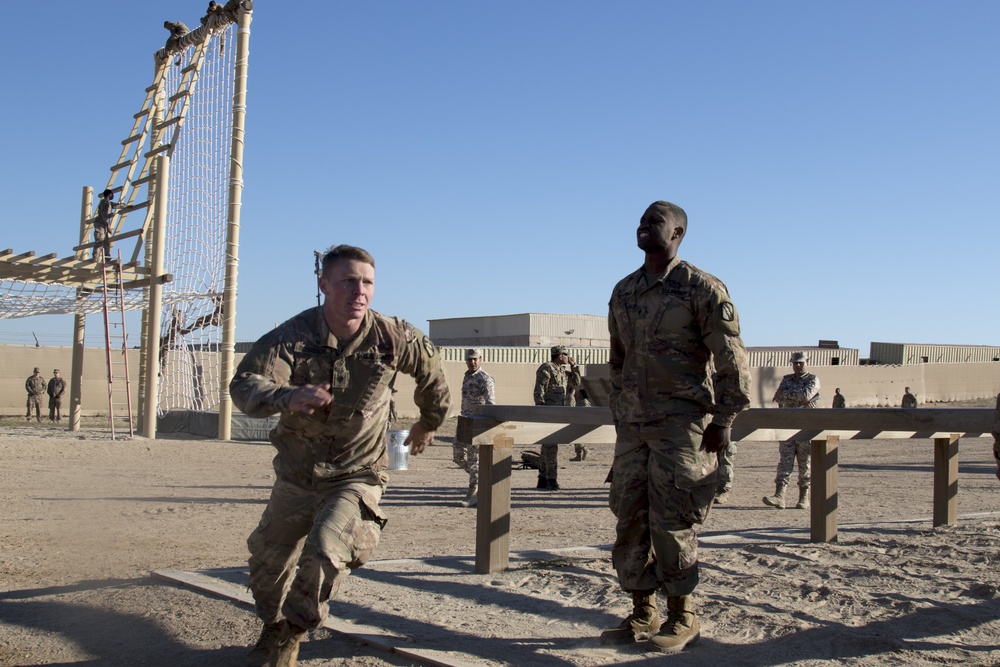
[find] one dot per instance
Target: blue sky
(839, 161)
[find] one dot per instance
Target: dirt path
(86, 520)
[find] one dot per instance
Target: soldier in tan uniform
(327, 373)
(35, 386)
(555, 381)
(669, 322)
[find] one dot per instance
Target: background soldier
(478, 388)
(327, 373)
(909, 400)
(554, 382)
(56, 388)
(35, 386)
(669, 321)
(798, 389)
(838, 399)
(580, 400)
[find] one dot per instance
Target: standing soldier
(554, 382)
(102, 225)
(669, 323)
(838, 399)
(798, 389)
(478, 388)
(35, 386)
(327, 373)
(909, 400)
(56, 388)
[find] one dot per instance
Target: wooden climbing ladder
(116, 349)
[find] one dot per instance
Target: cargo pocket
(363, 531)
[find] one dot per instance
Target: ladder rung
(133, 207)
(169, 122)
(122, 165)
(179, 95)
(144, 179)
(156, 151)
(190, 68)
(144, 112)
(133, 138)
(151, 88)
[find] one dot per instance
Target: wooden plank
(382, 642)
(493, 506)
(116, 237)
(946, 480)
(823, 505)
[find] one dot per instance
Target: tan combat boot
(803, 503)
(640, 625)
(262, 649)
(470, 498)
(681, 628)
(285, 652)
(778, 499)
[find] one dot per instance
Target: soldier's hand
(419, 438)
(307, 398)
(715, 439)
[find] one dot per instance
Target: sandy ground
(87, 519)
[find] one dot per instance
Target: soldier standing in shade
(580, 400)
(669, 323)
(909, 400)
(35, 386)
(327, 373)
(478, 388)
(56, 388)
(554, 382)
(102, 225)
(798, 389)
(838, 399)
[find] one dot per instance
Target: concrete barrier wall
(862, 386)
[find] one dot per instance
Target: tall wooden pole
(79, 324)
(228, 350)
(152, 340)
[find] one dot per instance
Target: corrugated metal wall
(779, 357)
(528, 355)
(907, 354)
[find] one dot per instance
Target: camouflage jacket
(667, 331)
(105, 209)
(554, 384)
(346, 438)
(909, 400)
(477, 389)
(35, 385)
(57, 387)
(797, 391)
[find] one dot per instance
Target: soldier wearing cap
(55, 389)
(670, 324)
(35, 386)
(798, 389)
(555, 381)
(477, 389)
(102, 225)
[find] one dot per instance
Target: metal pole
(155, 297)
(228, 350)
(79, 324)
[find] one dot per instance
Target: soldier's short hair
(107, 191)
(473, 353)
(673, 211)
(335, 253)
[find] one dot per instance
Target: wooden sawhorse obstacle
(497, 428)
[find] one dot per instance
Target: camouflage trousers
(662, 485)
(789, 451)
(306, 544)
(34, 402)
(55, 407)
(549, 463)
(103, 247)
(727, 459)
(466, 457)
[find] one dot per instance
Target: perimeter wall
(862, 386)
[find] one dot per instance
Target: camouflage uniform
(55, 389)
(909, 400)
(323, 518)
(477, 389)
(102, 228)
(553, 386)
(839, 401)
(35, 386)
(666, 331)
(796, 391)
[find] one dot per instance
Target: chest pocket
(313, 365)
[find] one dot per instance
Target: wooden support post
(493, 506)
(946, 480)
(823, 514)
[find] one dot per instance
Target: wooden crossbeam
(116, 237)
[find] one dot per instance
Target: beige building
(906, 354)
(522, 330)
